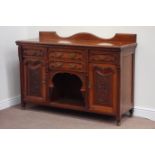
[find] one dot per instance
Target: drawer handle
(72, 55)
(43, 82)
(78, 67)
(58, 64)
(72, 65)
(58, 55)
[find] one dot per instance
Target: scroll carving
(37, 53)
(66, 54)
(34, 82)
(66, 66)
(114, 59)
(34, 63)
(103, 85)
(33, 74)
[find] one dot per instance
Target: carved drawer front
(66, 55)
(34, 51)
(67, 66)
(105, 58)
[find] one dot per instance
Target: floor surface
(38, 117)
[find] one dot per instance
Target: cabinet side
(21, 73)
(127, 79)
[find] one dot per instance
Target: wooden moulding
(118, 37)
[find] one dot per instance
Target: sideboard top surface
(83, 39)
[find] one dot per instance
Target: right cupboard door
(103, 88)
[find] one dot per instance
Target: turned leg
(84, 95)
(118, 120)
(131, 112)
(23, 105)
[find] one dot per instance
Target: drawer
(34, 51)
(66, 55)
(104, 58)
(67, 66)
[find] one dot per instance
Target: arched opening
(67, 89)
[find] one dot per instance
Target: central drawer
(59, 65)
(69, 55)
(69, 59)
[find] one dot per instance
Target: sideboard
(82, 72)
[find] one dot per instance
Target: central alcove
(67, 89)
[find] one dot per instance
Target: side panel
(127, 80)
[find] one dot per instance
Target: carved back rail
(53, 36)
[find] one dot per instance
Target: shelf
(68, 103)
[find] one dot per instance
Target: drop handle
(72, 65)
(58, 64)
(44, 82)
(58, 55)
(72, 55)
(89, 85)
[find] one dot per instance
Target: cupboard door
(103, 88)
(34, 80)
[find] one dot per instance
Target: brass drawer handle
(78, 67)
(75, 66)
(58, 64)
(72, 65)
(43, 82)
(58, 55)
(72, 55)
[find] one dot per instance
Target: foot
(118, 122)
(131, 112)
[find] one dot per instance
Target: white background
(78, 13)
(9, 63)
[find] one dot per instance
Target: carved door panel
(103, 88)
(34, 80)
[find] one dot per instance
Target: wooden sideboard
(82, 72)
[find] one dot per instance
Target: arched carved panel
(34, 81)
(34, 74)
(103, 85)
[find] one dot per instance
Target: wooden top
(83, 39)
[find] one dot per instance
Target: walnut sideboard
(82, 72)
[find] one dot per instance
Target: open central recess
(67, 89)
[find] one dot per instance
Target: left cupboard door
(34, 80)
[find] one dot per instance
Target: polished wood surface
(84, 39)
(81, 72)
